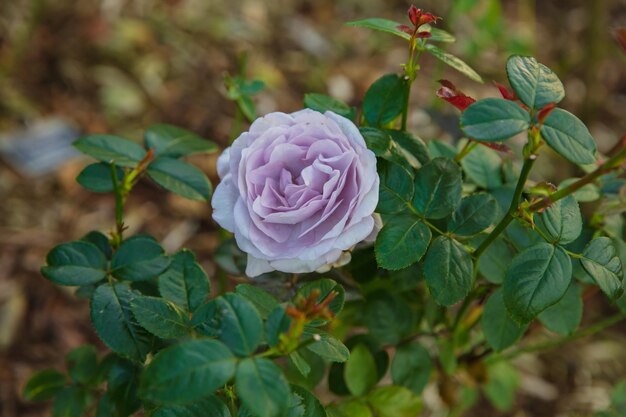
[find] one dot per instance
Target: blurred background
(116, 66)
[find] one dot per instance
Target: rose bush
(297, 190)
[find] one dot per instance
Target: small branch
(467, 148)
(610, 165)
(551, 344)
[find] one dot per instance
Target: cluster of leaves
(176, 351)
(465, 225)
(160, 159)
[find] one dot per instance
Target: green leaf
(139, 258)
(97, 177)
(564, 316)
(388, 317)
(300, 363)
(187, 372)
(396, 188)
(437, 191)
(495, 261)
(501, 387)
(82, 364)
(439, 35)
(561, 222)
(100, 240)
(160, 317)
(311, 405)
(448, 270)
(323, 103)
(402, 241)
(483, 167)
(360, 371)
(43, 385)
(241, 327)
(534, 83)
(475, 213)
(409, 147)
(262, 387)
(411, 367)
(601, 262)
(394, 401)
(494, 119)
(537, 278)
(114, 323)
(180, 178)
(210, 406)
(384, 100)
(185, 283)
(438, 149)
(329, 348)
(71, 402)
(246, 105)
(109, 148)
(453, 61)
(234, 320)
(75, 263)
(277, 322)
(174, 142)
(264, 302)
(402, 148)
(122, 385)
(501, 331)
(382, 25)
(325, 287)
(569, 137)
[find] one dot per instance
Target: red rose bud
(506, 93)
(426, 18)
(419, 17)
(452, 95)
(405, 29)
(414, 15)
(545, 112)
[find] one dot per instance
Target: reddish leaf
(405, 29)
(423, 35)
(452, 95)
(544, 112)
(620, 36)
(506, 93)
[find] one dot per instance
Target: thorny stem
(121, 190)
(554, 343)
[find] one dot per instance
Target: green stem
(119, 208)
(469, 147)
(551, 344)
(407, 93)
(610, 165)
(510, 215)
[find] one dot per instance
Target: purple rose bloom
(297, 190)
